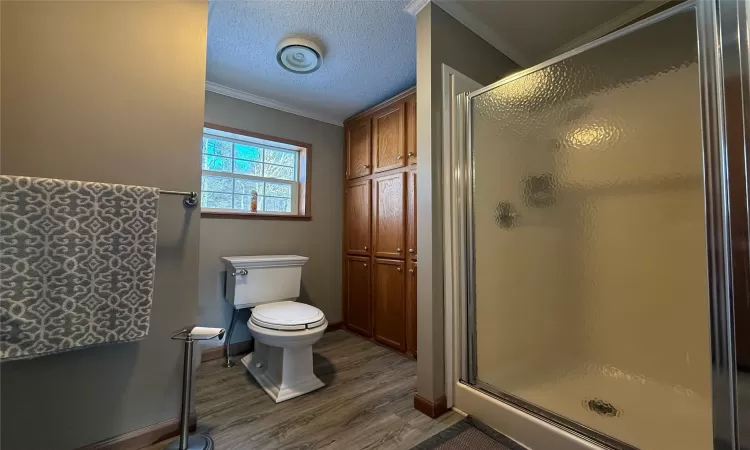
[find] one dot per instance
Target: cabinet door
(411, 308)
(389, 293)
(358, 217)
(358, 292)
(358, 151)
(411, 214)
(389, 137)
(411, 129)
(389, 215)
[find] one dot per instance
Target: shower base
(642, 413)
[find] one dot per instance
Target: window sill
(251, 216)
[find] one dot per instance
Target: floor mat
(469, 434)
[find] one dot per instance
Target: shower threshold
(574, 428)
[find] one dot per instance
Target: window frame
(304, 169)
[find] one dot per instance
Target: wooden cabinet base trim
(432, 409)
(376, 342)
(390, 344)
(359, 331)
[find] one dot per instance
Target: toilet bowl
(283, 329)
(284, 334)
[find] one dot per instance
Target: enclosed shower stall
(598, 218)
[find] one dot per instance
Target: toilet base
(284, 373)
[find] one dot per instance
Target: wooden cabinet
(358, 295)
(389, 215)
(389, 293)
(411, 214)
(358, 151)
(389, 137)
(380, 228)
(411, 308)
(411, 130)
(357, 217)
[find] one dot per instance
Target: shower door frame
(722, 32)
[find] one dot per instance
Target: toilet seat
(287, 316)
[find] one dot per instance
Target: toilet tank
(268, 279)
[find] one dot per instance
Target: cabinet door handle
(411, 250)
(410, 154)
(365, 248)
(411, 271)
(399, 157)
(366, 166)
(398, 269)
(398, 250)
(365, 264)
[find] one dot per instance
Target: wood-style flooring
(367, 403)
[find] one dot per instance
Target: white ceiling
(369, 52)
(369, 46)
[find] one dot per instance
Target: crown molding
(484, 31)
(415, 6)
(608, 27)
(267, 102)
(393, 100)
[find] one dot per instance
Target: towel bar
(190, 200)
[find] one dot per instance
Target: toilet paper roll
(202, 333)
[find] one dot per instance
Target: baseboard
(242, 347)
(237, 348)
(143, 437)
(432, 409)
(335, 326)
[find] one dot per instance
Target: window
(237, 166)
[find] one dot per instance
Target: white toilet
(284, 330)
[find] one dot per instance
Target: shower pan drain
(601, 407)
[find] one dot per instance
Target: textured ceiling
(369, 51)
(370, 45)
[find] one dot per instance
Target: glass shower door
(589, 280)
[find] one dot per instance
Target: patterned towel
(76, 264)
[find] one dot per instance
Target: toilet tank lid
(250, 262)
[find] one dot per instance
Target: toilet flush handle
(239, 272)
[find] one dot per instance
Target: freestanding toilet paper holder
(189, 335)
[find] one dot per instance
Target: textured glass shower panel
(589, 239)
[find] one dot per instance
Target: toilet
(284, 330)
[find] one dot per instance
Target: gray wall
(113, 92)
(440, 40)
(319, 238)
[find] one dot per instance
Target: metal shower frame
(723, 35)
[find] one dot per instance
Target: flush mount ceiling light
(299, 55)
